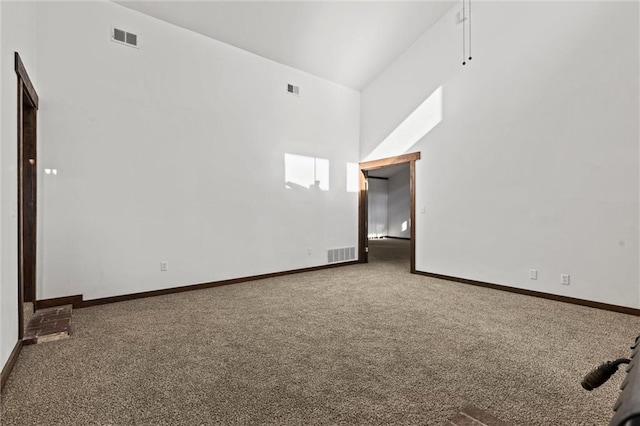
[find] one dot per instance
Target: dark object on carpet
(627, 407)
(599, 375)
(47, 325)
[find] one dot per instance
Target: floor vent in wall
(341, 254)
(121, 36)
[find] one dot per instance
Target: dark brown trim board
(75, 301)
(365, 167)
(78, 302)
(384, 162)
(397, 238)
(20, 195)
(28, 192)
(565, 299)
(27, 111)
(412, 220)
(8, 367)
(24, 76)
(363, 246)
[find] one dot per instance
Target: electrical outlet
(564, 279)
(533, 274)
(164, 266)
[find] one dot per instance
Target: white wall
(5, 312)
(535, 164)
(377, 207)
(17, 33)
(399, 204)
(175, 152)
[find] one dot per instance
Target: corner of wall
(17, 34)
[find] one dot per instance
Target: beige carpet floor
(364, 344)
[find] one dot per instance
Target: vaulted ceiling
(348, 43)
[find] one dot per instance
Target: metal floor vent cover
(343, 254)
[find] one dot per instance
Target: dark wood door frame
(365, 167)
(27, 189)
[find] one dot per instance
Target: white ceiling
(348, 43)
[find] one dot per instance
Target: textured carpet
(364, 344)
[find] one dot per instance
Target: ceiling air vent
(294, 90)
(121, 36)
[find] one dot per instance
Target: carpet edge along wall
(533, 293)
(78, 300)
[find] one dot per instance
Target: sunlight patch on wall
(420, 122)
(353, 175)
(301, 171)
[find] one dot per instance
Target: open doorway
(27, 192)
(389, 212)
(387, 208)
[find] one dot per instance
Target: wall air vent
(121, 36)
(344, 254)
(294, 90)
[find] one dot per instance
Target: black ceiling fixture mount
(466, 35)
